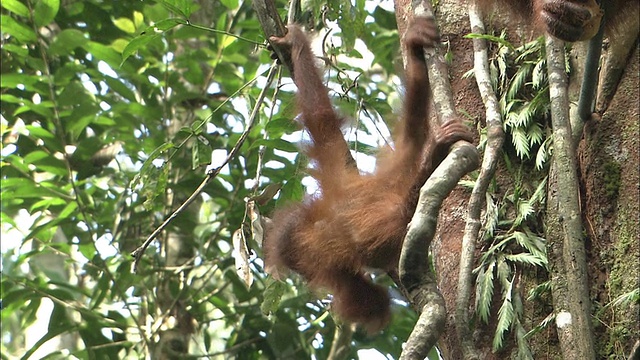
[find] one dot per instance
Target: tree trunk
(609, 158)
(609, 177)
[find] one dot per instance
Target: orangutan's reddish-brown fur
(569, 20)
(358, 220)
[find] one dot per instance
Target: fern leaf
(469, 74)
(540, 102)
(626, 299)
(545, 323)
(540, 193)
(505, 319)
(519, 80)
(484, 292)
(528, 259)
(532, 244)
(491, 215)
(526, 115)
(542, 156)
(535, 133)
(503, 270)
(539, 75)
(524, 352)
(538, 291)
(525, 209)
(520, 142)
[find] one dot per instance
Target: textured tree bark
(414, 270)
(610, 200)
(566, 248)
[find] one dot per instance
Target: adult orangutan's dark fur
(569, 20)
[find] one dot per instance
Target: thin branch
(495, 139)
(341, 344)
(223, 32)
(137, 253)
(272, 25)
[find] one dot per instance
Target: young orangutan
(358, 220)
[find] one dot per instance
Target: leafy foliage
(520, 79)
(513, 225)
(112, 112)
(511, 246)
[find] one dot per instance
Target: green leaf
(505, 319)
(104, 53)
(292, 190)
(492, 215)
(46, 203)
(500, 40)
(34, 156)
(48, 164)
(166, 24)
(520, 142)
(15, 7)
(280, 126)
(542, 156)
(535, 245)
(18, 30)
(74, 94)
(274, 289)
(181, 7)
(68, 211)
(504, 271)
(230, 4)
(136, 44)
(88, 250)
(125, 24)
(43, 109)
(101, 290)
(525, 209)
(117, 86)
(51, 333)
(519, 81)
(527, 259)
(539, 75)
(148, 164)
(68, 40)
(484, 290)
(43, 134)
(16, 79)
(45, 11)
(19, 50)
(150, 33)
(279, 144)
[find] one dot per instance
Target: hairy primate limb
(358, 220)
(569, 20)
